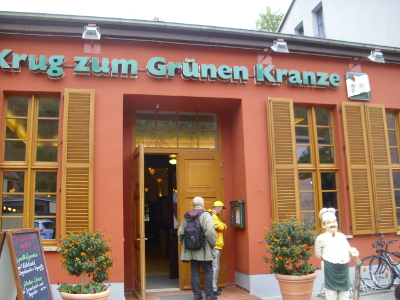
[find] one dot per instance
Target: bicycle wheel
(376, 271)
(365, 273)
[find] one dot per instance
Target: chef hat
(327, 214)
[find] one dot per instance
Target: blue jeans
(208, 277)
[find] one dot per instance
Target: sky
(233, 13)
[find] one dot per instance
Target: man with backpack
(197, 234)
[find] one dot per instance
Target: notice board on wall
(22, 266)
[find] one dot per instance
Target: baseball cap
(219, 203)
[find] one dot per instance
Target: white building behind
(371, 22)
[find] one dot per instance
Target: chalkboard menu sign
(26, 262)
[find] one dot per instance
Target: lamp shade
(280, 46)
(91, 32)
(172, 159)
(376, 56)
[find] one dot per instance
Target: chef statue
(334, 249)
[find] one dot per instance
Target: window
(393, 125)
(302, 156)
(320, 23)
(164, 129)
(317, 171)
(299, 29)
(29, 164)
(304, 170)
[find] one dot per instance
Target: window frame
(316, 167)
(30, 166)
(299, 29)
(395, 167)
(177, 130)
(320, 23)
(284, 167)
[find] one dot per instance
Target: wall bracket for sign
(21, 253)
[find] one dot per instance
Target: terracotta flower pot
(98, 296)
(296, 287)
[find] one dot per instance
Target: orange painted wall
(242, 109)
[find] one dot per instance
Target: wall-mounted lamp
(151, 171)
(280, 46)
(376, 56)
(172, 159)
(91, 32)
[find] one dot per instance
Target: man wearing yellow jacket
(220, 227)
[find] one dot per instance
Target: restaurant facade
(117, 124)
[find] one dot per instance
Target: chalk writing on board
(30, 265)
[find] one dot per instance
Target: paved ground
(228, 293)
(369, 295)
(232, 293)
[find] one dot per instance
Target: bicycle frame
(380, 270)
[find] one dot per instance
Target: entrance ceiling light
(280, 46)
(172, 159)
(376, 56)
(91, 32)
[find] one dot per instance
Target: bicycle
(379, 271)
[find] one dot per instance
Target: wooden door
(199, 174)
(139, 262)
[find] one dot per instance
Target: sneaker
(198, 297)
(216, 293)
(213, 297)
(219, 289)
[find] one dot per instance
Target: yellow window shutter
(282, 151)
(358, 171)
(77, 168)
(385, 210)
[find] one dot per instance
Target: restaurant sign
(357, 85)
(158, 67)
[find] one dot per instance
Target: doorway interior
(161, 223)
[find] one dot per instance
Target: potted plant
(86, 254)
(290, 246)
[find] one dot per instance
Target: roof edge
(284, 17)
(69, 26)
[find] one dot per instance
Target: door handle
(139, 239)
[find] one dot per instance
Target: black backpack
(194, 234)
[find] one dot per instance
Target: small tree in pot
(290, 246)
(86, 254)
